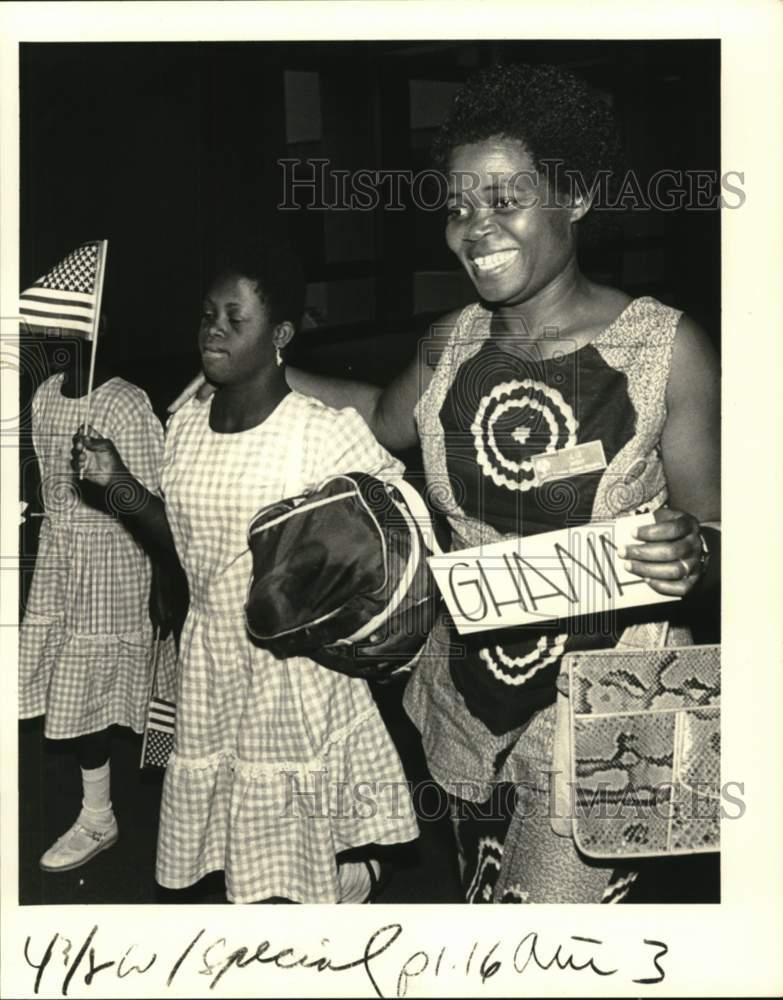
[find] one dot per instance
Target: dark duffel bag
(340, 576)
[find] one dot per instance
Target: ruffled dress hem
(258, 821)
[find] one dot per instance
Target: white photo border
(727, 949)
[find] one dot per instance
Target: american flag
(67, 298)
(158, 740)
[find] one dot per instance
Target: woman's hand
(95, 457)
(205, 391)
(669, 554)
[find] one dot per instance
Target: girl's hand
(669, 554)
(96, 458)
(205, 391)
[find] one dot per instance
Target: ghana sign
(558, 574)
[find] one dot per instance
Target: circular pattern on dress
(515, 421)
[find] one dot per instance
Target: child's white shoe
(79, 845)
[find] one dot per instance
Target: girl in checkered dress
(86, 639)
(270, 756)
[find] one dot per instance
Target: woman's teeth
(493, 261)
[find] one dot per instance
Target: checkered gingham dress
(86, 639)
(278, 764)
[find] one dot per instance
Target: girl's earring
(278, 357)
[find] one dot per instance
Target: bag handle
(404, 585)
(420, 512)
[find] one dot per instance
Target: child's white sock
(355, 881)
(96, 811)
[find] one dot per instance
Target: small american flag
(158, 742)
(68, 297)
(159, 733)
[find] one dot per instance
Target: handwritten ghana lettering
(478, 590)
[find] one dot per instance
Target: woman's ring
(686, 570)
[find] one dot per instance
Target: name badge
(576, 461)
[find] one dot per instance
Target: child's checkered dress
(277, 765)
(86, 639)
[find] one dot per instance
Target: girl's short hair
(274, 266)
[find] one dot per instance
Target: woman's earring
(278, 357)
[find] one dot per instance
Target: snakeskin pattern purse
(644, 736)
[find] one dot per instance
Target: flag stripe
(70, 299)
(162, 716)
(159, 728)
(60, 324)
(58, 292)
(54, 318)
(61, 312)
(160, 705)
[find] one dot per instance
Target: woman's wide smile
(493, 263)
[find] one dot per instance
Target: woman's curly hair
(551, 112)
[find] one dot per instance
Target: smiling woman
(545, 361)
(502, 225)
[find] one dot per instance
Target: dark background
(166, 149)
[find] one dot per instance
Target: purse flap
(645, 736)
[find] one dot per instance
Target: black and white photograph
(373, 399)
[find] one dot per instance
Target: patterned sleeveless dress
(86, 639)
(485, 704)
